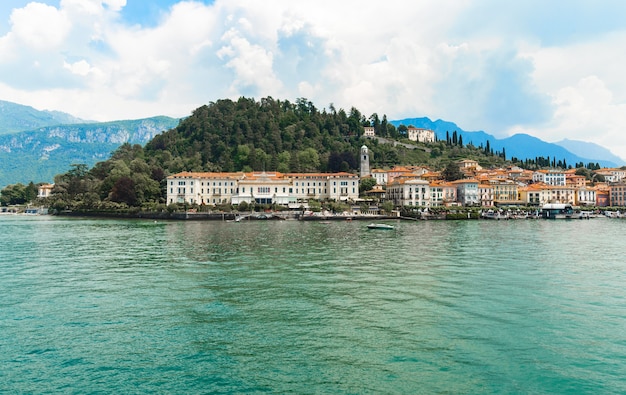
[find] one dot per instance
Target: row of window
(263, 191)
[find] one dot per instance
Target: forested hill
(273, 135)
(248, 135)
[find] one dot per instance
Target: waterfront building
(260, 187)
(486, 194)
(409, 192)
(442, 193)
(44, 190)
(617, 194)
(529, 195)
(467, 192)
(202, 187)
(542, 193)
(265, 188)
(602, 196)
(420, 135)
(505, 192)
(585, 196)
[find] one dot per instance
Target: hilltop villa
(421, 135)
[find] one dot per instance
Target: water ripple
(279, 307)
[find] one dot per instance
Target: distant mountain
(16, 118)
(589, 150)
(521, 146)
(39, 155)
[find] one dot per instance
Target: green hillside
(39, 155)
(247, 135)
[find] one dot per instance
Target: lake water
(125, 306)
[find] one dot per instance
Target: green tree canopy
(452, 172)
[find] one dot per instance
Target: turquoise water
(112, 306)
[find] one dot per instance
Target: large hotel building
(260, 187)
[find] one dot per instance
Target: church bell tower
(365, 162)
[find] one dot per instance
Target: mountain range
(521, 145)
(60, 140)
(37, 145)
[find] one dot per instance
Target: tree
(308, 159)
(387, 207)
(402, 130)
(452, 172)
(124, 191)
(366, 184)
(14, 194)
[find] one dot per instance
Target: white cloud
(81, 67)
(449, 59)
(40, 26)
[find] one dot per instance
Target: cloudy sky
(552, 69)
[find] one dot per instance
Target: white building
(550, 177)
(368, 131)
(485, 195)
(409, 192)
(44, 190)
(381, 176)
(421, 135)
(586, 196)
(261, 188)
(467, 192)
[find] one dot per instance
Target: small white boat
(379, 226)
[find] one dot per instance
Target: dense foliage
(270, 135)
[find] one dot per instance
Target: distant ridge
(591, 150)
(17, 118)
(522, 146)
(38, 155)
